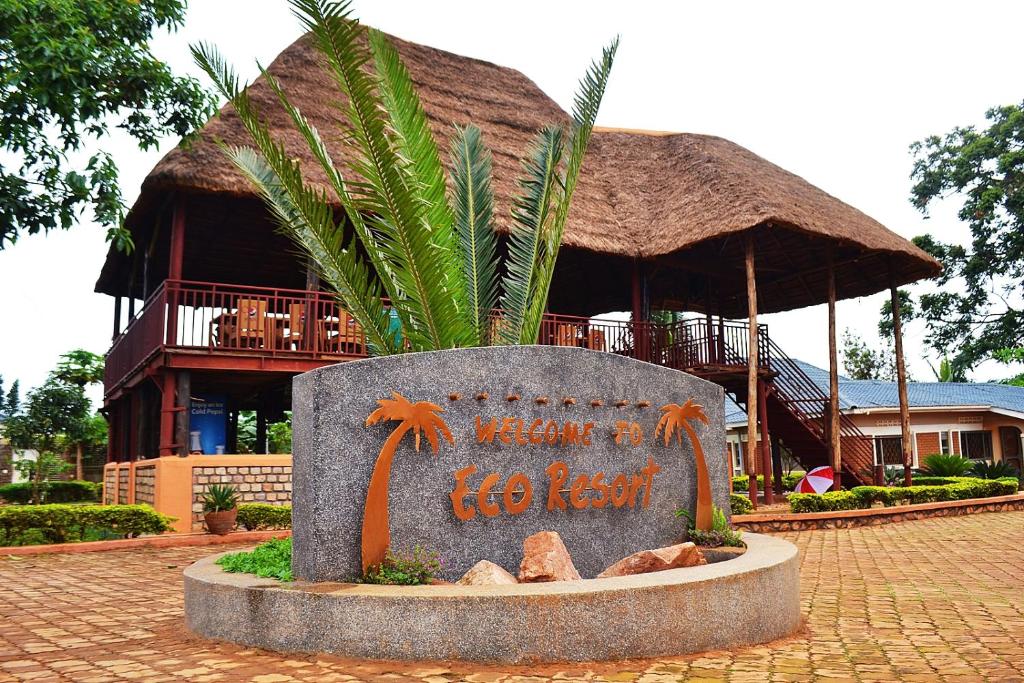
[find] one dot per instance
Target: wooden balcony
(219, 326)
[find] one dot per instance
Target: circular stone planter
(752, 599)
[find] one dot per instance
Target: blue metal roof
(872, 393)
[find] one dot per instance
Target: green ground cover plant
(414, 567)
(270, 560)
(721, 533)
(934, 489)
(53, 492)
(64, 523)
(256, 516)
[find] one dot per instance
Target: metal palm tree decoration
(420, 418)
(409, 229)
(674, 420)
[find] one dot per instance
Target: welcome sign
(469, 451)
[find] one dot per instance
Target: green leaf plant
(407, 228)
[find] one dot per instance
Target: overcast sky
(834, 92)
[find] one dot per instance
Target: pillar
(751, 366)
(167, 413)
(777, 464)
(117, 317)
(763, 443)
(183, 406)
(834, 434)
(901, 382)
(639, 328)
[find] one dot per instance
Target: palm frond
(473, 201)
(532, 211)
(587, 102)
(388, 195)
(306, 216)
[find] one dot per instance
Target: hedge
(61, 523)
(74, 491)
(739, 505)
(255, 516)
(789, 482)
(860, 497)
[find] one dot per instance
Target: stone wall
(846, 519)
(123, 485)
(145, 484)
(109, 486)
(255, 484)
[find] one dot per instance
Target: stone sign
(469, 451)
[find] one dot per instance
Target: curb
(165, 541)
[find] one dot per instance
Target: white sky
(834, 92)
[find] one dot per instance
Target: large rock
(545, 558)
(485, 573)
(660, 559)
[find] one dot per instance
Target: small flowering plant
(414, 567)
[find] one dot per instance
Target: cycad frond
(531, 213)
(587, 102)
(389, 194)
(473, 201)
(307, 217)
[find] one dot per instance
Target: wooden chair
(344, 335)
(596, 340)
(566, 335)
(251, 323)
(296, 325)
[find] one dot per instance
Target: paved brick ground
(931, 600)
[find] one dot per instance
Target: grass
(270, 560)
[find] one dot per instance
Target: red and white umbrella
(818, 480)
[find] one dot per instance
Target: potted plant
(220, 505)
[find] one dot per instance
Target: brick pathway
(939, 599)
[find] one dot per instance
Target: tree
(422, 237)
(860, 361)
(69, 71)
(80, 367)
(56, 410)
(977, 309)
(13, 402)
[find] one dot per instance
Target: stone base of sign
(752, 599)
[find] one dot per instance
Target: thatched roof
(661, 197)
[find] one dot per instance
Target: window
(944, 443)
(976, 445)
(889, 450)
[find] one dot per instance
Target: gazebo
(661, 222)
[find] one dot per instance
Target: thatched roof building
(678, 203)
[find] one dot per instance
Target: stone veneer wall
(145, 484)
(122, 485)
(109, 485)
(766, 523)
(255, 484)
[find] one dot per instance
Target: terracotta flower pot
(222, 522)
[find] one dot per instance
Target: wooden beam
(117, 317)
(835, 442)
(901, 381)
(639, 336)
(177, 247)
(751, 365)
(167, 411)
(183, 403)
(766, 452)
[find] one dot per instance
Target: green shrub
(270, 560)
(255, 516)
(825, 502)
(935, 489)
(414, 568)
(789, 481)
(739, 505)
(53, 492)
(995, 470)
(62, 523)
(946, 465)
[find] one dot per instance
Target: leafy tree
(13, 402)
(55, 411)
(80, 367)
(279, 436)
(69, 71)
(977, 308)
(422, 237)
(860, 361)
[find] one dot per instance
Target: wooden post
(117, 317)
(766, 453)
(639, 332)
(834, 434)
(183, 404)
(167, 411)
(174, 269)
(712, 356)
(777, 463)
(751, 367)
(901, 382)
(261, 430)
(131, 307)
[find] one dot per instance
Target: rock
(721, 554)
(660, 559)
(485, 573)
(545, 558)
